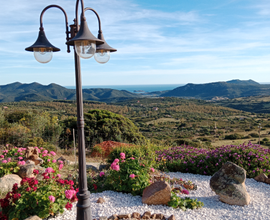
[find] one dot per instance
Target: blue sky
(158, 41)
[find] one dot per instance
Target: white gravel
(119, 203)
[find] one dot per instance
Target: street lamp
(85, 45)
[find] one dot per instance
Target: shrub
(41, 198)
(255, 135)
(128, 175)
(233, 136)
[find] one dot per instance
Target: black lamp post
(85, 46)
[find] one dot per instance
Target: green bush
(233, 136)
(254, 135)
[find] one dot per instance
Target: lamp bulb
(85, 49)
(102, 56)
(43, 55)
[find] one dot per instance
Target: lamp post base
(84, 206)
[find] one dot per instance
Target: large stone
(27, 171)
(158, 193)
(261, 178)
(35, 217)
(7, 182)
(229, 184)
(32, 154)
(65, 161)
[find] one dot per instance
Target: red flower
(34, 188)
(95, 186)
(36, 172)
(28, 189)
(68, 206)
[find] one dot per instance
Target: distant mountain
(37, 92)
(243, 82)
(229, 89)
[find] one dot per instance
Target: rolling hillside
(37, 92)
(229, 89)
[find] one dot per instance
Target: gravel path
(119, 203)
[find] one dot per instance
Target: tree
(103, 125)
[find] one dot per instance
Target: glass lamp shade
(102, 56)
(85, 49)
(43, 55)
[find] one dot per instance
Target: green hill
(230, 89)
(37, 92)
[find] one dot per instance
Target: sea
(134, 88)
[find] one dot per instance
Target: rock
(7, 182)
(136, 215)
(124, 216)
(32, 154)
(267, 180)
(100, 200)
(160, 216)
(27, 171)
(35, 217)
(104, 167)
(65, 161)
(172, 217)
(103, 218)
(229, 184)
(113, 217)
(146, 215)
(158, 193)
(261, 178)
(154, 216)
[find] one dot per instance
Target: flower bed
(253, 158)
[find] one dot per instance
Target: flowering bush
(42, 198)
(253, 158)
(128, 175)
(13, 158)
(8, 168)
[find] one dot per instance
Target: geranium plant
(42, 198)
(128, 175)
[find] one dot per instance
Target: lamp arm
(66, 21)
(99, 22)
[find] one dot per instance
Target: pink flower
(52, 198)
(9, 159)
(117, 167)
(49, 160)
(20, 158)
(53, 153)
(60, 161)
(122, 156)
(101, 174)
(116, 160)
(21, 153)
(132, 176)
(49, 155)
(45, 152)
(1, 156)
(15, 153)
(185, 191)
(58, 175)
(49, 170)
(60, 166)
(152, 169)
(132, 158)
(54, 161)
(123, 161)
(44, 155)
(4, 161)
(70, 193)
